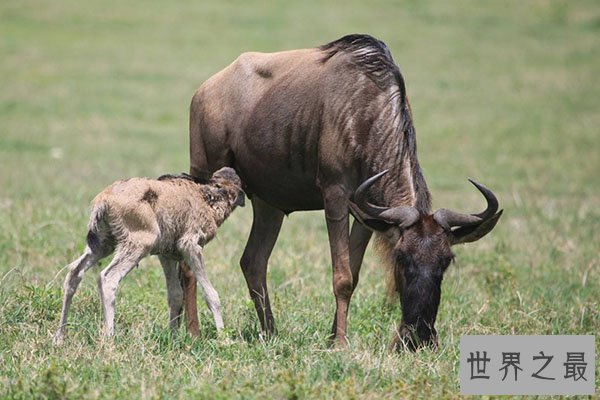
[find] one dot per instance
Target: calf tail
(96, 226)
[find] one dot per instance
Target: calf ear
(469, 234)
(241, 200)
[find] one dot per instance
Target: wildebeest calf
(172, 217)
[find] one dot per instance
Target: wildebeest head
(419, 248)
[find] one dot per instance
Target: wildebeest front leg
(263, 235)
(359, 240)
(336, 214)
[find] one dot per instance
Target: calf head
(228, 184)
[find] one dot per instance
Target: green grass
(504, 92)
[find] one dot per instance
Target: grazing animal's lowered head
(418, 247)
(172, 217)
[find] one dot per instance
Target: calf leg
(193, 255)
(174, 291)
(189, 284)
(263, 235)
(109, 279)
(76, 270)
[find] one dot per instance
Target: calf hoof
(224, 339)
(58, 339)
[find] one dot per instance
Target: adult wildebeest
(331, 128)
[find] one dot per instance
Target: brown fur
(165, 209)
(304, 129)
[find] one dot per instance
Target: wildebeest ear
(469, 234)
(370, 222)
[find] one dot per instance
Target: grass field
(505, 92)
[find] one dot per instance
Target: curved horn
(492, 201)
(448, 218)
(403, 216)
(360, 196)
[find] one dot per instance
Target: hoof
(59, 339)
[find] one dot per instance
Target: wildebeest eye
(446, 261)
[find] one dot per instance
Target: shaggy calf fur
(172, 217)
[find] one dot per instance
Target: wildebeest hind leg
(263, 235)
